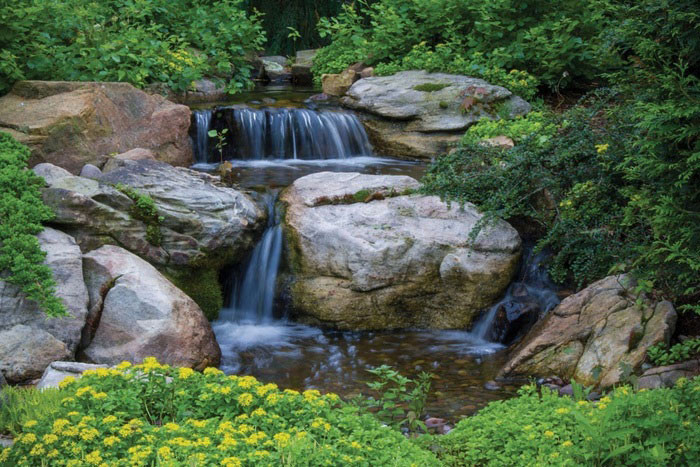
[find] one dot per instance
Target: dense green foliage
(19, 405)
(660, 355)
(614, 183)
(22, 212)
(657, 427)
(556, 41)
(152, 414)
(278, 16)
(138, 41)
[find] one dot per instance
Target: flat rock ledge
(593, 334)
(365, 254)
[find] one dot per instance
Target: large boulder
(204, 224)
(367, 254)
(71, 124)
(593, 335)
(135, 312)
(30, 340)
(413, 113)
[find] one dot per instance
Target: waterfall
(528, 298)
(282, 133)
(252, 292)
(202, 120)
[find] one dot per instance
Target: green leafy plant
(657, 427)
(22, 213)
(152, 414)
(401, 400)
(174, 42)
(220, 141)
(660, 355)
(537, 125)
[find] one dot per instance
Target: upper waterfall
(279, 133)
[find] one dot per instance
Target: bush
(158, 41)
(554, 41)
(152, 414)
(658, 427)
(22, 212)
(660, 355)
(536, 125)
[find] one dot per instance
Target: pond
(274, 137)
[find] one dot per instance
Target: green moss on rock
(202, 286)
(430, 87)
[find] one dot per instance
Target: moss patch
(202, 286)
(430, 87)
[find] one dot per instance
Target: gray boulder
(666, 376)
(417, 105)
(25, 352)
(91, 171)
(204, 224)
(135, 312)
(366, 254)
(301, 68)
(47, 339)
(58, 371)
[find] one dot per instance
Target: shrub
(156, 41)
(537, 125)
(554, 41)
(658, 427)
(151, 414)
(22, 212)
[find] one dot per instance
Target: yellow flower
(554, 455)
(246, 382)
(601, 148)
(356, 445)
(231, 462)
(37, 450)
(225, 390)
(198, 423)
(123, 365)
(548, 434)
(110, 440)
(83, 390)
(562, 411)
(172, 426)
(28, 438)
(184, 373)
(567, 443)
(99, 395)
(282, 439)
(261, 453)
(262, 390)
(30, 424)
(49, 439)
(66, 381)
(582, 403)
(272, 399)
(51, 454)
(109, 419)
(88, 434)
(164, 452)
(94, 458)
(211, 371)
(602, 406)
(259, 412)
(245, 399)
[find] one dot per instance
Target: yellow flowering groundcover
(153, 414)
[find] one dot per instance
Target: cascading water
(252, 293)
(202, 120)
(527, 299)
(281, 133)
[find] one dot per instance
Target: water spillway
(279, 133)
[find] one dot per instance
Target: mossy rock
(202, 286)
(430, 87)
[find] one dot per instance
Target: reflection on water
(282, 172)
(304, 357)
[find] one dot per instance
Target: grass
(19, 405)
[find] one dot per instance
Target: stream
(273, 138)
